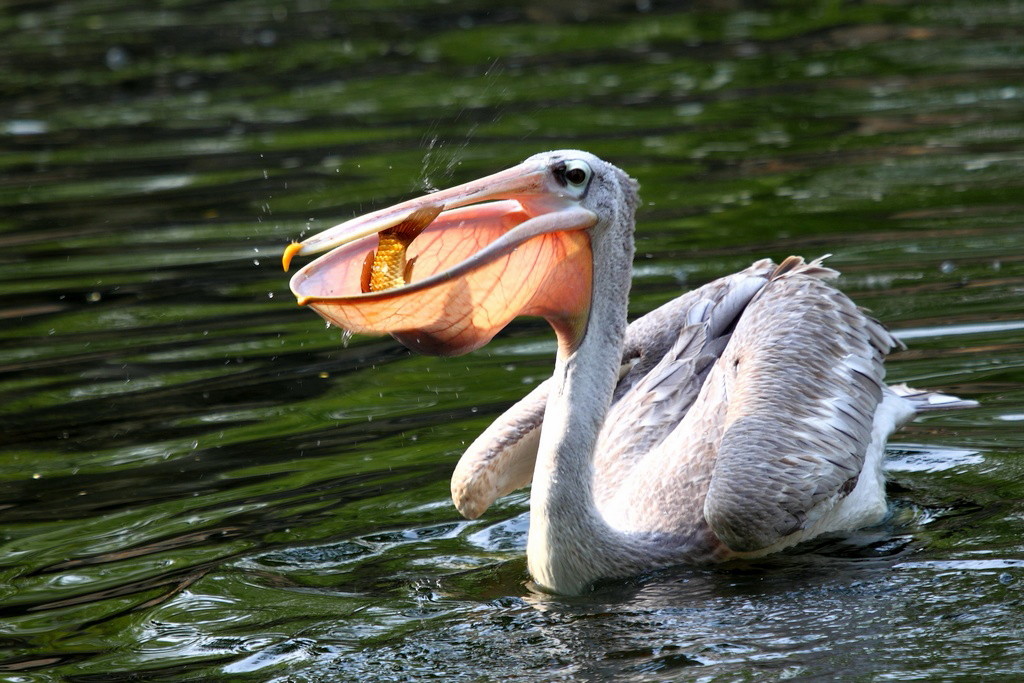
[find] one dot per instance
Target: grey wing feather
(803, 376)
(923, 400)
(650, 337)
(501, 459)
(651, 401)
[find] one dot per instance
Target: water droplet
(266, 37)
(270, 295)
(26, 127)
(117, 58)
(255, 261)
(346, 337)
(93, 297)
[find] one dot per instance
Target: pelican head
(472, 257)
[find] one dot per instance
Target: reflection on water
(197, 480)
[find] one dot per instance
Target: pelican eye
(575, 173)
(576, 176)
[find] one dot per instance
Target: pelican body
(737, 420)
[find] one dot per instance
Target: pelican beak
(475, 256)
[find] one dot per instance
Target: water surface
(198, 481)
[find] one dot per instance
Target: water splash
(439, 164)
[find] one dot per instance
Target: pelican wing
(802, 377)
(501, 459)
(671, 342)
(674, 347)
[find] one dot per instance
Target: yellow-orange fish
(387, 267)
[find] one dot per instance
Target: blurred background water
(198, 481)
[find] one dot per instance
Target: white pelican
(737, 420)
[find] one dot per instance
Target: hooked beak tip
(289, 253)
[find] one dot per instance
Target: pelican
(741, 418)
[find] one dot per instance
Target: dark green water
(199, 482)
